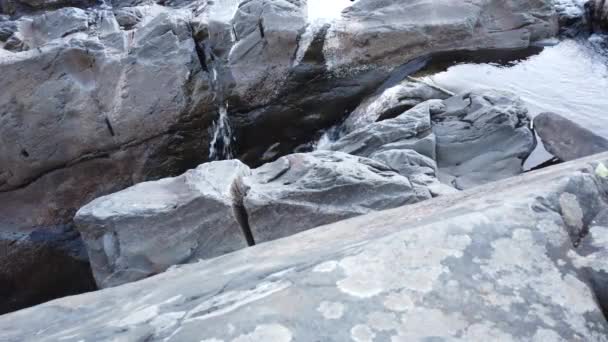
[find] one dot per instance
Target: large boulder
(151, 226)
(305, 190)
(566, 139)
(223, 206)
(482, 136)
(93, 109)
(41, 265)
(460, 267)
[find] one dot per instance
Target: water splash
(220, 147)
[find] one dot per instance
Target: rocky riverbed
(295, 170)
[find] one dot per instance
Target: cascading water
(220, 147)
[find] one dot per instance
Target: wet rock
(482, 136)
(15, 43)
(391, 102)
(7, 28)
(306, 190)
(599, 13)
(565, 139)
(341, 62)
(455, 267)
(151, 226)
(571, 12)
(42, 265)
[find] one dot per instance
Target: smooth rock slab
(151, 226)
(565, 139)
(462, 267)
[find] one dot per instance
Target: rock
(15, 43)
(565, 139)
(306, 190)
(410, 130)
(56, 24)
(382, 34)
(391, 102)
(220, 207)
(128, 17)
(599, 14)
(83, 102)
(419, 169)
(455, 267)
(482, 136)
(571, 12)
(151, 226)
(7, 28)
(42, 265)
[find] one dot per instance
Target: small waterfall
(220, 147)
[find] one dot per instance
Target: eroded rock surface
(465, 266)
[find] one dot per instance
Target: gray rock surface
(410, 130)
(305, 190)
(151, 226)
(281, 78)
(391, 102)
(133, 104)
(214, 209)
(482, 136)
(460, 267)
(41, 265)
(565, 139)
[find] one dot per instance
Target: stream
(569, 78)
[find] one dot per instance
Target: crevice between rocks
(238, 191)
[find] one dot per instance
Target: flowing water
(570, 78)
(220, 147)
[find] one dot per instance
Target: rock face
(456, 267)
(281, 77)
(146, 228)
(565, 139)
(78, 102)
(482, 136)
(306, 190)
(41, 265)
(222, 206)
(599, 13)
